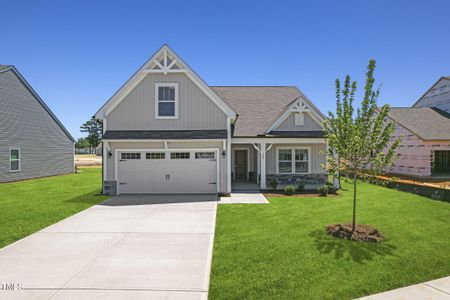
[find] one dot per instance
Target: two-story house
(167, 131)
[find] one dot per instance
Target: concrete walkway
(432, 290)
(129, 247)
(244, 198)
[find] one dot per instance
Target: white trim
(156, 99)
(11, 160)
(278, 140)
(192, 157)
(143, 72)
(277, 171)
(298, 106)
(162, 141)
(233, 158)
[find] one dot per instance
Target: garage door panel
(159, 176)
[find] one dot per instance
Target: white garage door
(167, 172)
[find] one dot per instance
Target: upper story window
(166, 100)
(14, 159)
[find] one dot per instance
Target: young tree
(359, 142)
(94, 129)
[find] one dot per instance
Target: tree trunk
(339, 172)
(354, 202)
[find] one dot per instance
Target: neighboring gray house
(33, 143)
(167, 131)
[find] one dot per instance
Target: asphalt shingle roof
(258, 107)
(2, 67)
(426, 122)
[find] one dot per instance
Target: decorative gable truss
(299, 108)
(165, 64)
(164, 61)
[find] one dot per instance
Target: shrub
(274, 184)
(301, 187)
(323, 190)
(289, 190)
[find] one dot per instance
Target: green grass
(281, 251)
(30, 205)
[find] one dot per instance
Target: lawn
(280, 250)
(30, 205)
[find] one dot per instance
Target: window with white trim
(204, 155)
(166, 100)
(285, 161)
(14, 159)
(301, 161)
(292, 160)
(155, 155)
(180, 155)
(130, 155)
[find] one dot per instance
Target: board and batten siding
(110, 161)
(289, 124)
(317, 158)
(137, 110)
(45, 149)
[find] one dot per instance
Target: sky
(76, 54)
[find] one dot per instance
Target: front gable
(301, 115)
(138, 110)
(164, 67)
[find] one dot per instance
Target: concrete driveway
(129, 247)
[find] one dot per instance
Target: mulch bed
(310, 195)
(363, 233)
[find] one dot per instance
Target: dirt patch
(363, 233)
(87, 160)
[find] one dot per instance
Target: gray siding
(317, 158)
(289, 125)
(137, 110)
(172, 145)
(24, 123)
(438, 97)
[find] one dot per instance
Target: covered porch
(256, 161)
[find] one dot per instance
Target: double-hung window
(166, 100)
(293, 160)
(14, 159)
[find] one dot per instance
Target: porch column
(263, 165)
(228, 153)
(258, 166)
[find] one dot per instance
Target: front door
(240, 164)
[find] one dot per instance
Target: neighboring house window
(14, 159)
(133, 155)
(180, 155)
(166, 100)
(204, 155)
(292, 160)
(155, 155)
